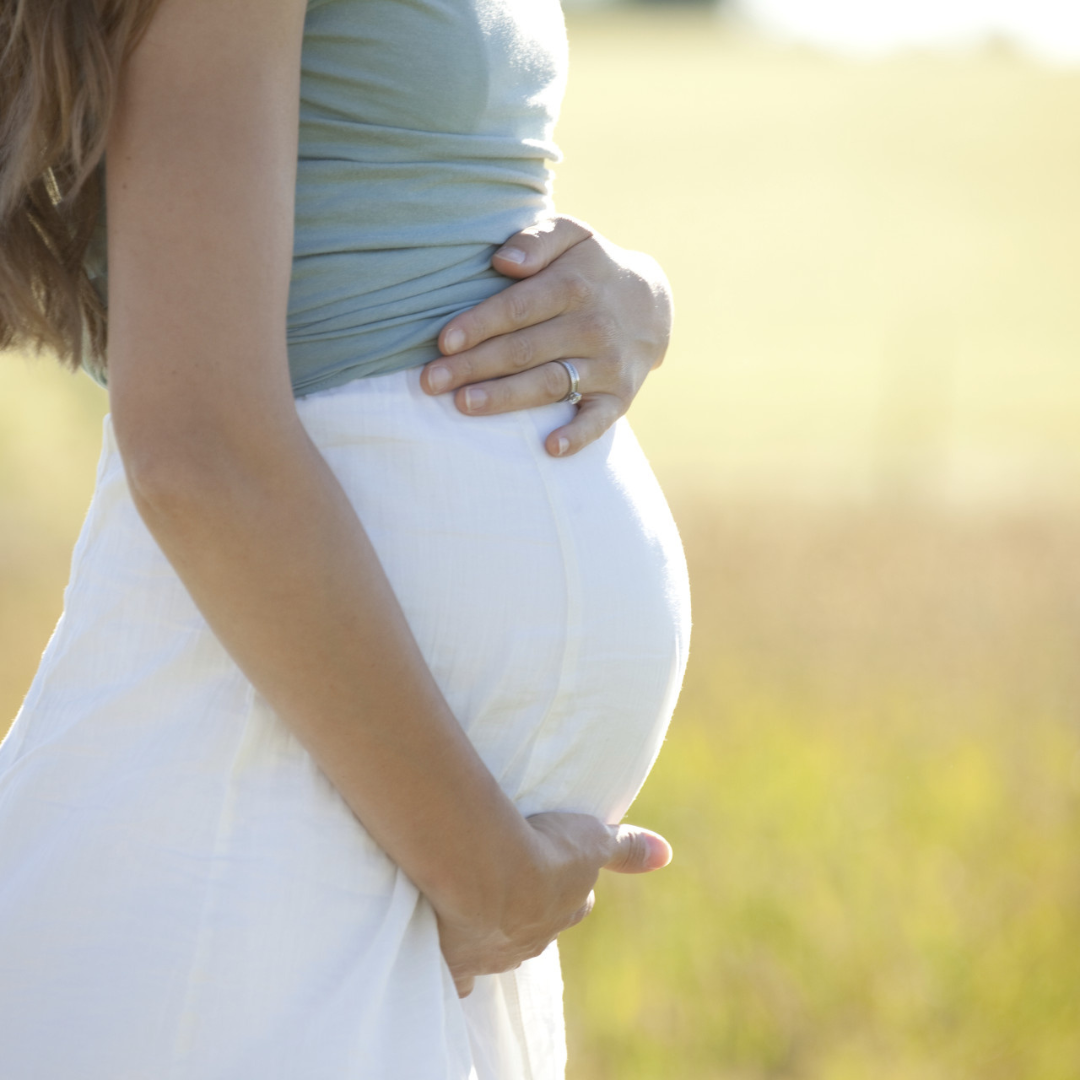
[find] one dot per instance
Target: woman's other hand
(580, 298)
(570, 850)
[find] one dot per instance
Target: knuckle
(555, 380)
(462, 367)
(579, 291)
(625, 386)
(608, 410)
(519, 351)
(537, 948)
(621, 857)
(517, 307)
(609, 846)
(599, 327)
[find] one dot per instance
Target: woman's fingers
(541, 385)
(580, 297)
(582, 912)
(595, 414)
(637, 850)
(626, 849)
(545, 385)
(521, 305)
(538, 246)
(577, 847)
(567, 336)
(571, 848)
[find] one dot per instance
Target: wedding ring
(572, 394)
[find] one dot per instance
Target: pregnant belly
(146, 777)
(548, 596)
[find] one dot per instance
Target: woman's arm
(580, 298)
(201, 178)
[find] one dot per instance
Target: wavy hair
(60, 64)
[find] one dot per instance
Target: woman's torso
(234, 918)
(425, 141)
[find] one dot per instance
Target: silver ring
(572, 394)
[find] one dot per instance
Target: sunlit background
(869, 428)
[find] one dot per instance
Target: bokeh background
(869, 429)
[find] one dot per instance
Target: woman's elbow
(174, 458)
(168, 476)
(186, 446)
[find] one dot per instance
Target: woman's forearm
(273, 554)
(200, 187)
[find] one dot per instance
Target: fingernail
(475, 398)
(454, 340)
(562, 446)
(438, 378)
(660, 853)
(512, 254)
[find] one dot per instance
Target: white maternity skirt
(183, 894)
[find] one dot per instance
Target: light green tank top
(425, 142)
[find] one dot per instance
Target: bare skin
(201, 180)
(580, 298)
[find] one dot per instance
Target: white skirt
(184, 895)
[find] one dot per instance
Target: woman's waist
(366, 312)
(344, 205)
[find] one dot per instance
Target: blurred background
(868, 426)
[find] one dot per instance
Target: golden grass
(875, 266)
(50, 437)
(872, 784)
(867, 424)
(868, 428)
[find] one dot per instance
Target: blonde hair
(59, 69)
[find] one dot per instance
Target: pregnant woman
(351, 686)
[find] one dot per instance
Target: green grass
(867, 424)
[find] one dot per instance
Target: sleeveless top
(425, 142)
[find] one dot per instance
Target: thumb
(531, 250)
(637, 850)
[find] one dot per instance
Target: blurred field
(873, 788)
(868, 427)
(876, 267)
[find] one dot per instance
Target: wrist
(498, 886)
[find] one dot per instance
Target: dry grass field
(868, 428)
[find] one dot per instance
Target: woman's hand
(580, 298)
(569, 852)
